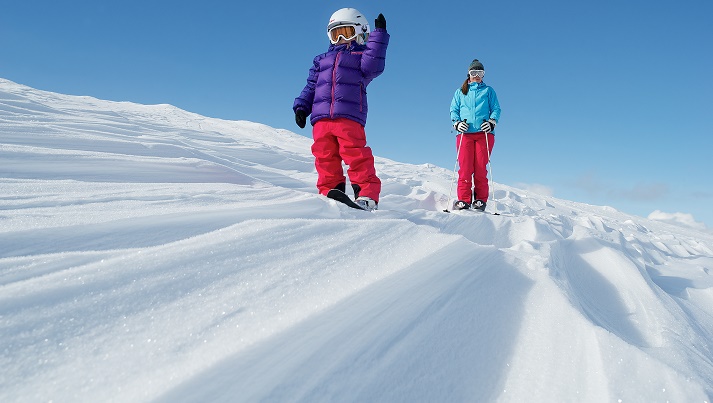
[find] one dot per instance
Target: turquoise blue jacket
(480, 104)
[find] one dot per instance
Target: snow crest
(151, 254)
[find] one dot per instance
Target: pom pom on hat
(476, 65)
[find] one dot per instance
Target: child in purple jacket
(335, 96)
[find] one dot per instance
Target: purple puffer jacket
(336, 85)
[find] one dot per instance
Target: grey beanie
(476, 65)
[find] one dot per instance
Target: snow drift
(152, 254)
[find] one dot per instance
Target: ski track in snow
(152, 254)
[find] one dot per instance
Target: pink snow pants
(337, 140)
(472, 166)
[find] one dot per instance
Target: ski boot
(461, 205)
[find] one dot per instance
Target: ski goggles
(346, 32)
(476, 73)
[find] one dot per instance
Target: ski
(342, 197)
(472, 211)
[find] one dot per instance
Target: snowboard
(342, 197)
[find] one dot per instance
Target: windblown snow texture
(152, 254)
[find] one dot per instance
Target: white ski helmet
(349, 17)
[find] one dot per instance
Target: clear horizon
(604, 103)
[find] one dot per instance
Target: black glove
(380, 21)
(488, 126)
(461, 126)
(300, 118)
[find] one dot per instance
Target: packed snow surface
(152, 254)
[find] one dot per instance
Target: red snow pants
(337, 140)
(472, 166)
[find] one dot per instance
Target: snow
(152, 254)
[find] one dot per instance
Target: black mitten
(380, 21)
(300, 118)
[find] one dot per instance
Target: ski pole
(450, 191)
(487, 148)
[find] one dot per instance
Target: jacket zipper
(334, 85)
(475, 107)
(361, 97)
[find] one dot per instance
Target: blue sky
(607, 102)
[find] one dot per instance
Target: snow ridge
(151, 254)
